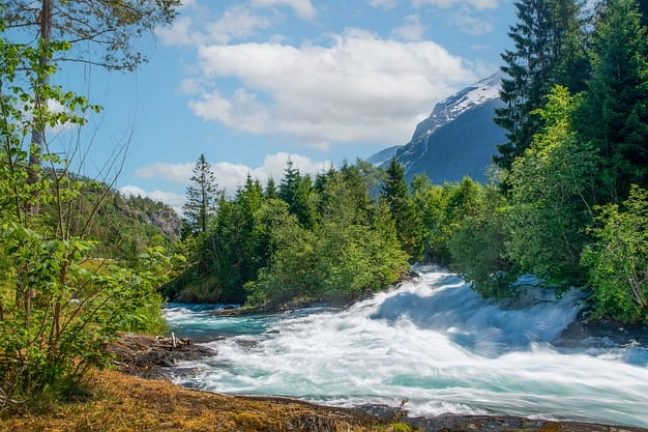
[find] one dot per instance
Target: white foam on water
(434, 342)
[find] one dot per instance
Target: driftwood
(145, 355)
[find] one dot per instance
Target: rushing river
(433, 342)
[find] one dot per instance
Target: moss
(401, 427)
(123, 403)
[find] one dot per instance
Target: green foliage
(551, 196)
(441, 210)
(339, 260)
(478, 246)
(124, 227)
(322, 240)
(201, 197)
(59, 303)
(618, 262)
(614, 116)
(549, 49)
(101, 33)
(297, 191)
(408, 224)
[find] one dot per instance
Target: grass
(123, 403)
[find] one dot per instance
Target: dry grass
(124, 403)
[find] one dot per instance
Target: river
(432, 342)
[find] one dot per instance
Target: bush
(478, 247)
(617, 263)
(66, 307)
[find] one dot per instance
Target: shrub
(617, 263)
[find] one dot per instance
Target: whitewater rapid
(432, 341)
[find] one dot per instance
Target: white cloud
(303, 8)
(478, 4)
(360, 88)
(229, 175)
(236, 23)
(411, 30)
(178, 33)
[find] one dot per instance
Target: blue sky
(250, 82)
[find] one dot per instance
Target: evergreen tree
(615, 114)
(201, 197)
(549, 49)
(271, 189)
(296, 191)
(408, 224)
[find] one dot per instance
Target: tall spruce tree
(270, 189)
(201, 197)
(296, 191)
(549, 49)
(408, 224)
(615, 112)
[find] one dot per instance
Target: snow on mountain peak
(452, 107)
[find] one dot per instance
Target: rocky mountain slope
(458, 138)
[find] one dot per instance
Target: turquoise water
(432, 341)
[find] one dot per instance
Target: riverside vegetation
(69, 280)
(568, 203)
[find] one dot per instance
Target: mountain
(459, 137)
(384, 155)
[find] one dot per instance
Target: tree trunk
(38, 128)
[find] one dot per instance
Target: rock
(144, 355)
(494, 423)
(604, 332)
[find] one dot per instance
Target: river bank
(125, 403)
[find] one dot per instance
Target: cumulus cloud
(303, 8)
(236, 23)
(411, 30)
(359, 88)
(230, 176)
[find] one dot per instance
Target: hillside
(126, 226)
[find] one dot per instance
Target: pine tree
(408, 224)
(270, 189)
(296, 191)
(615, 113)
(201, 197)
(549, 49)
(289, 184)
